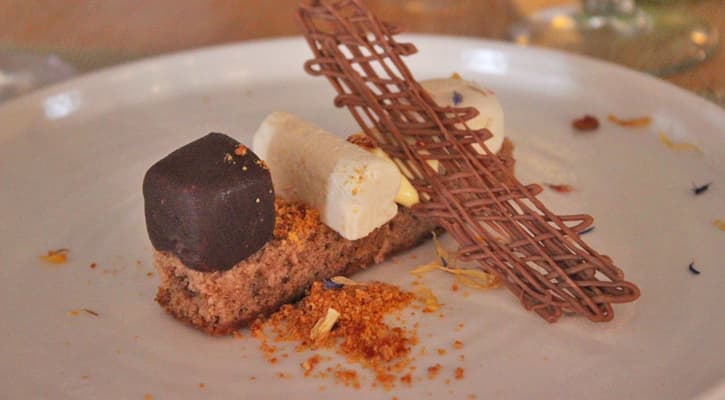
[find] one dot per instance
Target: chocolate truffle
(211, 203)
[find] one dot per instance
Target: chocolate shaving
(498, 222)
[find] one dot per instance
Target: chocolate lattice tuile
(498, 222)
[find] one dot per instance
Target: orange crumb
(240, 150)
(273, 360)
(407, 379)
(148, 396)
(202, 386)
(471, 396)
(454, 287)
(433, 371)
(92, 266)
(461, 357)
(459, 373)
(348, 378)
(310, 364)
(447, 381)
(85, 377)
(252, 378)
(237, 335)
(59, 256)
(458, 344)
(441, 352)
(149, 274)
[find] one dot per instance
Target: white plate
(72, 158)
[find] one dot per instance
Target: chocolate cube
(211, 203)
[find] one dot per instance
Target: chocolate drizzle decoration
(498, 222)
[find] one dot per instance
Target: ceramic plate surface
(72, 158)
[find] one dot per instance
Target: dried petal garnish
(59, 256)
(720, 224)
(585, 231)
(678, 146)
(585, 123)
(474, 278)
(692, 268)
(324, 325)
(639, 122)
(457, 98)
(560, 188)
(426, 296)
(328, 284)
(343, 281)
(91, 312)
(698, 190)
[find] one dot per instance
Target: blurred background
(84, 35)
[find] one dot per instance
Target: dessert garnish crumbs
(353, 319)
(639, 122)
(59, 256)
(456, 76)
(719, 224)
(586, 123)
(459, 373)
(457, 98)
(148, 396)
(692, 268)
(678, 146)
(202, 386)
(698, 190)
(324, 325)
(458, 344)
(559, 188)
(92, 266)
(585, 231)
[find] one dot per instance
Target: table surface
(91, 34)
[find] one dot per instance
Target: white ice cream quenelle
(353, 189)
(457, 92)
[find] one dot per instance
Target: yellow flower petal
(678, 146)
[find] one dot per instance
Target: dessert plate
(72, 158)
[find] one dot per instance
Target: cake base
(303, 250)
